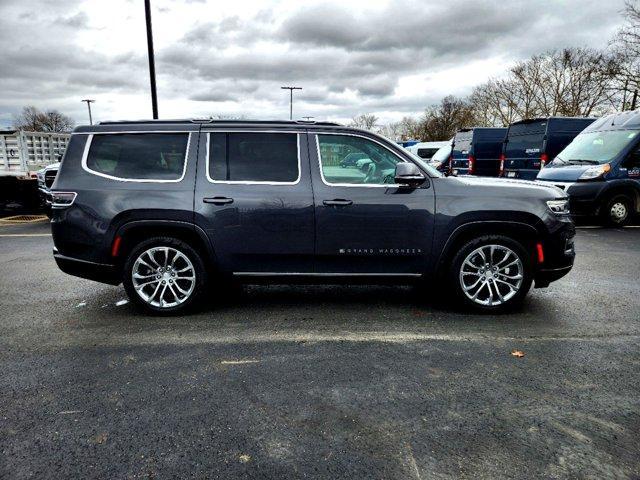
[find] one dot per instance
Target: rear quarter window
(138, 156)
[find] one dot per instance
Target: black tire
(617, 211)
(200, 273)
(517, 249)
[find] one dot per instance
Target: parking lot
(333, 382)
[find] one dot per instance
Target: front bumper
(99, 272)
(559, 255)
(583, 196)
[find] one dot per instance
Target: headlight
(595, 172)
(559, 207)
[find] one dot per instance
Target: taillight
(450, 163)
(502, 159)
(544, 159)
(472, 165)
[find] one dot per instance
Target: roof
(545, 119)
(616, 121)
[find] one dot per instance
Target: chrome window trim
(324, 274)
(87, 147)
(360, 185)
(252, 182)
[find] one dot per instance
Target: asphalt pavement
(320, 381)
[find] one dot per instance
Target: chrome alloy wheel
(163, 277)
(491, 275)
(618, 211)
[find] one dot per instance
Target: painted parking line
(25, 234)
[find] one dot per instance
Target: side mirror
(409, 174)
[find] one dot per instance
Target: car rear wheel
(491, 273)
(164, 276)
(617, 211)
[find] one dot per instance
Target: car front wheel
(617, 211)
(164, 276)
(491, 273)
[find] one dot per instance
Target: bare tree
(391, 130)
(367, 121)
(410, 128)
(571, 82)
(33, 120)
(442, 121)
(626, 49)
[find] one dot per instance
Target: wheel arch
(630, 188)
(133, 232)
(522, 232)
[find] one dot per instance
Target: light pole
(89, 102)
(152, 62)
(291, 89)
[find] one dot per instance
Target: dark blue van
(476, 151)
(600, 169)
(531, 144)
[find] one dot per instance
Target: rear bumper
(521, 173)
(99, 272)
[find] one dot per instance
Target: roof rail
(212, 120)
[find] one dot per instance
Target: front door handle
(338, 202)
(218, 200)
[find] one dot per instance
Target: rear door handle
(338, 202)
(218, 200)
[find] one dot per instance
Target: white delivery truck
(22, 155)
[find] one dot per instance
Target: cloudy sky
(222, 57)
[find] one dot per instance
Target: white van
(425, 150)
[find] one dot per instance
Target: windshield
(596, 147)
(442, 154)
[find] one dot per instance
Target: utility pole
(89, 102)
(291, 89)
(152, 62)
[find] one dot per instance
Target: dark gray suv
(166, 206)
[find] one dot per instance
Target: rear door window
(138, 156)
(462, 144)
(254, 158)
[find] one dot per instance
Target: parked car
(600, 169)
(351, 159)
(426, 150)
(531, 144)
(45, 178)
(164, 206)
(476, 151)
(440, 159)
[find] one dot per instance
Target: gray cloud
(349, 59)
(79, 20)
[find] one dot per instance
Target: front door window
(349, 160)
